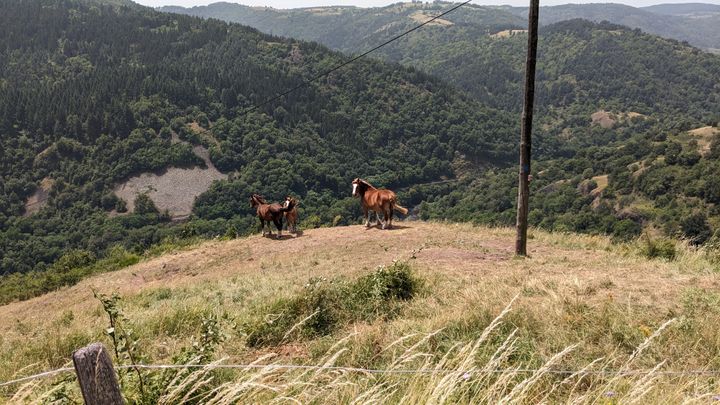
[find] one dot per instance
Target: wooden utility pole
(96, 376)
(526, 131)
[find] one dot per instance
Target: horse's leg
(390, 214)
(278, 225)
(268, 222)
(367, 217)
(386, 222)
(378, 221)
(262, 226)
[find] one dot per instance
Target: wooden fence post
(96, 376)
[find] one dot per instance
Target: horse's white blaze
(354, 189)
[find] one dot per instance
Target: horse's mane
(259, 198)
(365, 182)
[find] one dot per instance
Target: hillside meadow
(582, 320)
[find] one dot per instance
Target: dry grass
(607, 119)
(704, 138)
(602, 183)
(574, 291)
(507, 33)
(324, 10)
(422, 16)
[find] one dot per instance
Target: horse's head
(256, 200)
(360, 186)
(289, 200)
(356, 185)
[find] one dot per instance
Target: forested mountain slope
(91, 95)
(476, 49)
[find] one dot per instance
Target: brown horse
(291, 216)
(269, 212)
(384, 201)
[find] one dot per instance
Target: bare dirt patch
(704, 137)
(39, 199)
(603, 118)
(174, 190)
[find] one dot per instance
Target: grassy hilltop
(456, 299)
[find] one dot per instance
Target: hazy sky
(374, 3)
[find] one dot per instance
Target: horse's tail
(397, 207)
(400, 209)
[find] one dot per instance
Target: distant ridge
(696, 23)
(684, 9)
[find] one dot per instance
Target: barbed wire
(36, 376)
(465, 374)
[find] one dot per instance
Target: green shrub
(657, 248)
(371, 293)
(626, 229)
(72, 260)
(145, 205)
(324, 305)
(68, 270)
